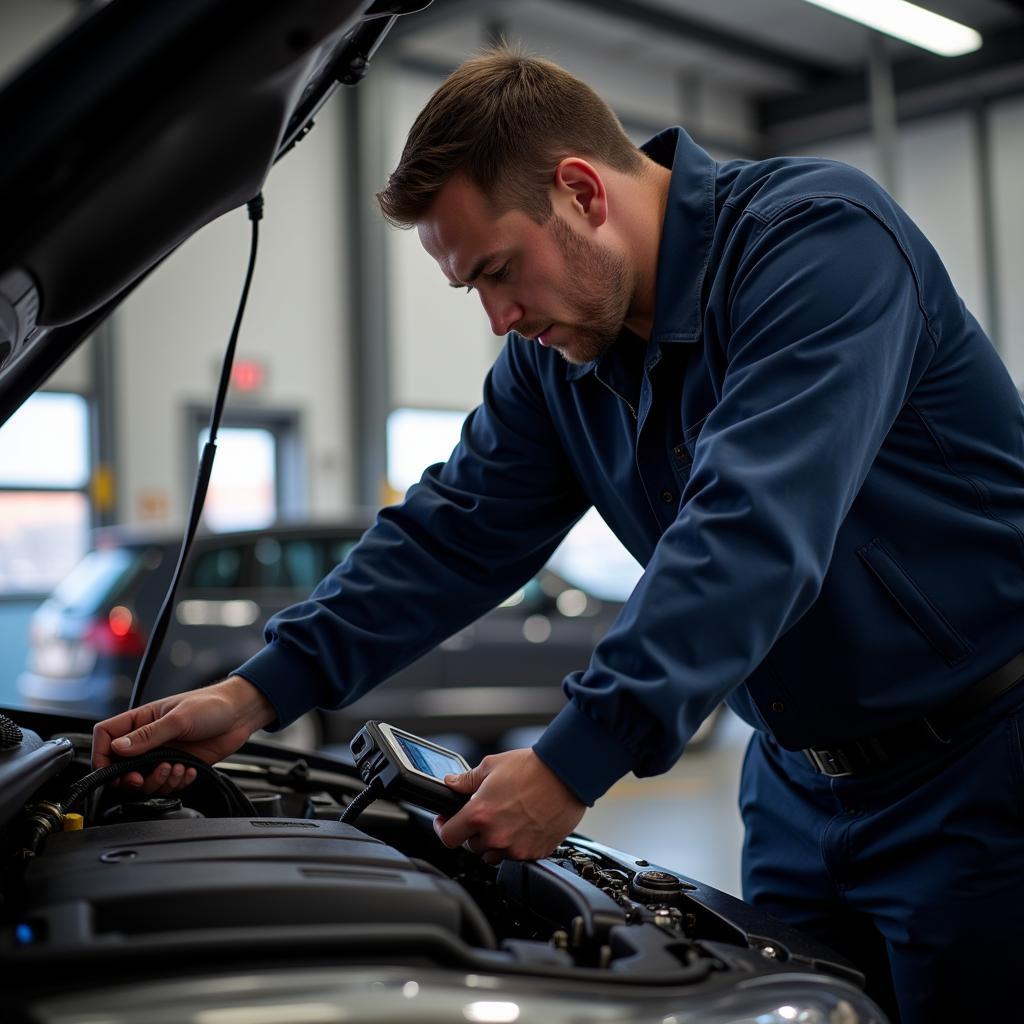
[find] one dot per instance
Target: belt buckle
(832, 763)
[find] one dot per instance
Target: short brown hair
(503, 119)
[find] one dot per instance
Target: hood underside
(141, 124)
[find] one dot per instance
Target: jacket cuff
(585, 757)
(273, 673)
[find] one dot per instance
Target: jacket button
(778, 706)
(678, 450)
(668, 497)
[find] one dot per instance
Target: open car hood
(138, 126)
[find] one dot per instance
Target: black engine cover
(143, 880)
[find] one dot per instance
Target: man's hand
(210, 724)
(518, 809)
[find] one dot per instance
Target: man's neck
(646, 219)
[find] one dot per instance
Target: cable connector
(42, 820)
(255, 207)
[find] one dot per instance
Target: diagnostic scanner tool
(408, 767)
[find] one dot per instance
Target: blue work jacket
(817, 456)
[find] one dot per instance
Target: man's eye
(495, 275)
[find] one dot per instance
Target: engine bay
(134, 885)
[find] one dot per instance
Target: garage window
(417, 438)
(45, 514)
(590, 556)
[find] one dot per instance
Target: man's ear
(580, 183)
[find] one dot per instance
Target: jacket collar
(686, 236)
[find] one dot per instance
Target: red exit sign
(248, 375)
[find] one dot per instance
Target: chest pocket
(681, 452)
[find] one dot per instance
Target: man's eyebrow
(476, 271)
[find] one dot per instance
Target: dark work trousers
(914, 872)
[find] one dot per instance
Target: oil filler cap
(657, 885)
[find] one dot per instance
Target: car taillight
(116, 634)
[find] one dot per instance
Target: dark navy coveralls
(819, 459)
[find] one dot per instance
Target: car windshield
(86, 586)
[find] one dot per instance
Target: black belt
(857, 756)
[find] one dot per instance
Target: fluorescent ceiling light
(908, 22)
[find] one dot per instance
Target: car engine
(125, 894)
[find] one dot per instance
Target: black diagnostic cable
(362, 800)
(48, 816)
(236, 803)
(156, 639)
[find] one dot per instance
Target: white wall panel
(172, 331)
(441, 344)
(858, 151)
(940, 188)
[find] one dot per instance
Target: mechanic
(762, 377)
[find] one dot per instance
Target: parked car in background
(500, 673)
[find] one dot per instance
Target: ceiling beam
(671, 23)
(923, 84)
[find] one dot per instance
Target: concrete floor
(687, 819)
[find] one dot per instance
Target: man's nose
(502, 312)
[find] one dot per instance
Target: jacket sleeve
(467, 535)
(824, 342)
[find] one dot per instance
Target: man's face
(545, 281)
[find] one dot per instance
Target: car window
(298, 563)
(217, 569)
(86, 587)
(302, 561)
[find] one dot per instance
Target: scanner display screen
(429, 760)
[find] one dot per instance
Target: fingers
(518, 809)
(472, 832)
(456, 830)
(147, 735)
(475, 844)
(484, 852)
(469, 782)
(172, 778)
(105, 733)
(164, 780)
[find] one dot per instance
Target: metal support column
(883, 111)
(982, 140)
(364, 159)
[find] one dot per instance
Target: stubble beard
(598, 316)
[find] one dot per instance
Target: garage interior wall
(169, 336)
(171, 333)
